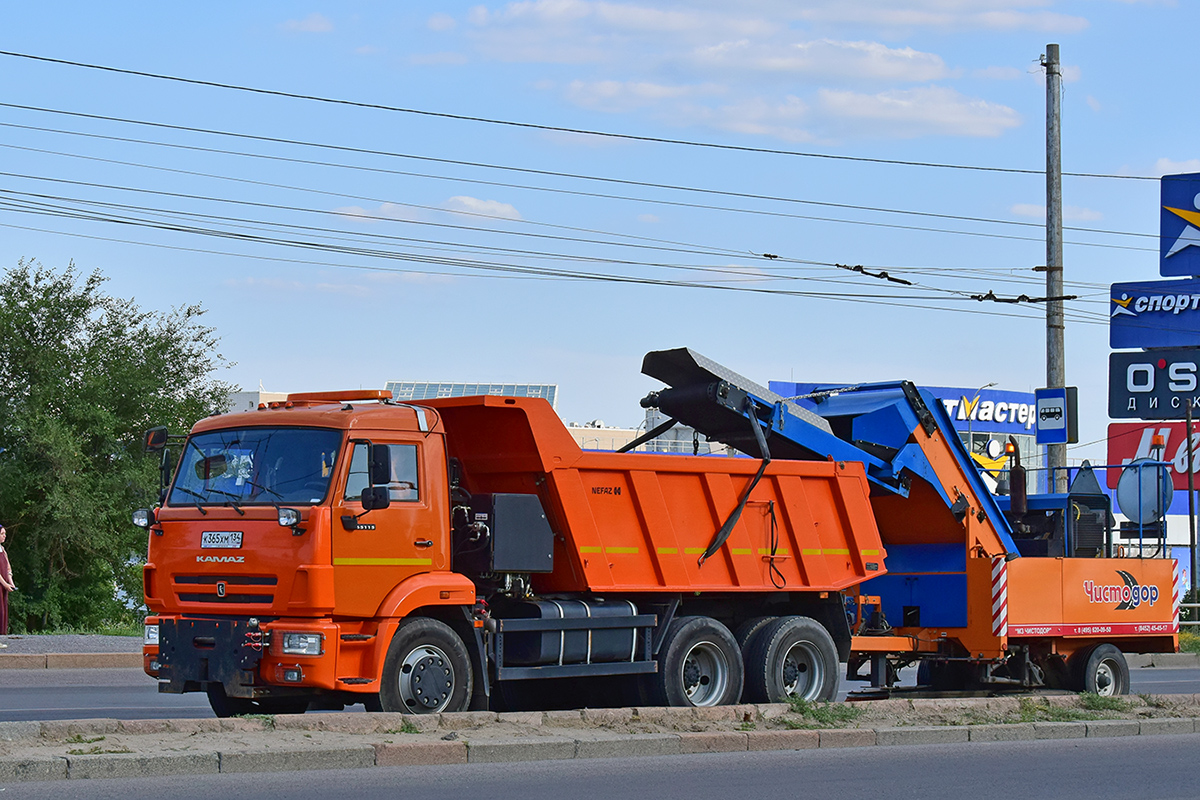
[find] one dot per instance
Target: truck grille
(216, 593)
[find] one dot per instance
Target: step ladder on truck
(341, 548)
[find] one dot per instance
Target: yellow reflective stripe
(382, 562)
(693, 551)
(810, 552)
(741, 551)
(837, 552)
(870, 552)
(589, 549)
(621, 550)
(779, 551)
(668, 551)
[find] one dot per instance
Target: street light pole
(971, 418)
(1056, 369)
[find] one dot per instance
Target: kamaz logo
(220, 559)
(1127, 596)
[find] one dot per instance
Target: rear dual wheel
(699, 664)
(791, 658)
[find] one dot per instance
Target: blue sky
(436, 298)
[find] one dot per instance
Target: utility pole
(1056, 368)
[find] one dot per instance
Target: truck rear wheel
(792, 657)
(427, 669)
(1101, 669)
(700, 665)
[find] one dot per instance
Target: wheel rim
(802, 671)
(1106, 679)
(704, 674)
(426, 680)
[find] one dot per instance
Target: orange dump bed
(639, 522)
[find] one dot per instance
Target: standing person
(6, 584)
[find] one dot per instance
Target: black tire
(225, 706)
(1101, 670)
(427, 669)
(699, 664)
(792, 657)
(745, 632)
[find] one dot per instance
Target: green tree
(82, 376)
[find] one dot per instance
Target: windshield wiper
(231, 502)
(200, 497)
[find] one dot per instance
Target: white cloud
(618, 96)
(824, 57)
(277, 285)
(313, 23)
(1167, 166)
(990, 15)
(1070, 213)
(906, 113)
(386, 211)
(1093, 103)
(490, 208)
(441, 22)
(649, 219)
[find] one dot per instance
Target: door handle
(423, 543)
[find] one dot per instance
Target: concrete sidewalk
(69, 651)
(105, 748)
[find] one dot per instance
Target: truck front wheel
(792, 657)
(427, 669)
(700, 665)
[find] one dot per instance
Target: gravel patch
(70, 643)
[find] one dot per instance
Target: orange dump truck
(340, 548)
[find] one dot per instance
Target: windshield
(256, 465)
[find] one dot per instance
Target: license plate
(222, 540)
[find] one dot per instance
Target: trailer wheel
(699, 665)
(1103, 670)
(792, 657)
(427, 669)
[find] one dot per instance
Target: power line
(555, 128)
(674, 203)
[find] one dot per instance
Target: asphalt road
(1149, 768)
(46, 694)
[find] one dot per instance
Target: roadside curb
(463, 738)
(70, 660)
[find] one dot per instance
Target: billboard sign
(1154, 314)
(1179, 226)
(1128, 441)
(1154, 384)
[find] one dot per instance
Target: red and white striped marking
(1177, 593)
(1000, 596)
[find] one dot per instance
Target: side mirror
(375, 497)
(379, 461)
(155, 439)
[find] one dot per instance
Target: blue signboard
(1155, 314)
(1053, 416)
(1179, 229)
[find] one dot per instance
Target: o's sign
(1154, 385)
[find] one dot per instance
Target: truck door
(379, 549)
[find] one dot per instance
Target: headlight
(142, 517)
(151, 635)
(303, 644)
(289, 517)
